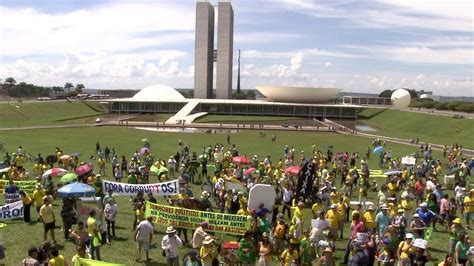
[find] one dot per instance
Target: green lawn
(48, 113)
(17, 236)
(431, 128)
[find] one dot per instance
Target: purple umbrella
(83, 169)
(144, 150)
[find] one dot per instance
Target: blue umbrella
(378, 149)
(75, 190)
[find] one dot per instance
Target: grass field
(431, 128)
(48, 113)
(17, 236)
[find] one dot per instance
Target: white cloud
(108, 27)
(296, 61)
(327, 64)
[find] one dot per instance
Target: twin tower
(205, 55)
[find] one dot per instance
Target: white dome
(157, 93)
(401, 98)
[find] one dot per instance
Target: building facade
(204, 50)
(225, 45)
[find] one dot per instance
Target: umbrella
(6, 169)
(144, 150)
(293, 170)
(55, 172)
(68, 178)
(83, 169)
(393, 172)
(194, 163)
(76, 189)
(378, 149)
(65, 157)
(241, 160)
(453, 170)
(75, 154)
(158, 171)
(144, 140)
(249, 171)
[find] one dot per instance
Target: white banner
(11, 211)
(169, 188)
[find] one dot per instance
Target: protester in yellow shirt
(81, 253)
(94, 236)
(317, 206)
(369, 218)
(469, 208)
(27, 202)
(47, 217)
(57, 260)
(333, 219)
(38, 195)
(298, 213)
(208, 251)
(392, 188)
(289, 256)
(244, 210)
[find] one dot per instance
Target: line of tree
(11, 88)
(459, 106)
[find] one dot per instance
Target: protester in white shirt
(143, 236)
(199, 235)
(170, 244)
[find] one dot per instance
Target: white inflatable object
(401, 98)
(265, 194)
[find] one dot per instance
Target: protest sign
(408, 160)
(190, 219)
(420, 243)
(12, 197)
(261, 193)
(305, 181)
(159, 189)
(27, 186)
(11, 211)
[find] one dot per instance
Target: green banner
(27, 186)
(190, 219)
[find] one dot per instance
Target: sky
(356, 45)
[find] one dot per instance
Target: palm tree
(80, 87)
(68, 86)
(10, 83)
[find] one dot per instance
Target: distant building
(205, 54)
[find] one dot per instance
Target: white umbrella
(55, 172)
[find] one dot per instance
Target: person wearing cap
(425, 214)
(417, 226)
(454, 232)
(369, 219)
(327, 258)
(170, 244)
(144, 236)
(405, 250)
(205, 201)
(333, 219)
(208, 251)
(400, 223)
(421, 256)
(469, 208)
(384, 256)
(382, 219)
(32, 259)
(47, 218)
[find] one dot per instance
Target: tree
(80, 87)
(9, 84)
(56, 90)
(386, 94)
(68, 86)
